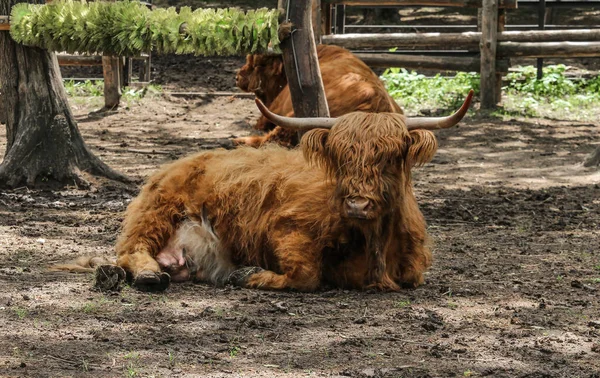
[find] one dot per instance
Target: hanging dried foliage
(129, 28)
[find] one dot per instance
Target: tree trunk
(44, 145)
(593, 159)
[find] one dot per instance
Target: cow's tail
(83, 264)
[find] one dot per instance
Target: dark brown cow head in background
(263, 75)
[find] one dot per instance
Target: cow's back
(249, 192)
(350, 85)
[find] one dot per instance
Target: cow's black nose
(357, 207)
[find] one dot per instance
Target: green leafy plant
(130, 28)
(555, 94)
(233, 351)
(412, 89)
(131, 369)
(402, 304)
(20, 312)
(86, 88)
(553, 83)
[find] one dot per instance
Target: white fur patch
(204, 252)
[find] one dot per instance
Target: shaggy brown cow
(340, 210)
(350, 85)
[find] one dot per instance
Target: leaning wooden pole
(301, 63)
(487, 46)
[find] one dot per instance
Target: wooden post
(301, 63)
(542, 26)
(316, 21)
(325, 18)
(487, 46)
(112, 82)
(340, 18)
(146, 68)
(501, 25)
(127, 72)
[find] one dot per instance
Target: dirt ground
(514, 290)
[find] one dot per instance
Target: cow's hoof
(240, 141)
(409, 285)
(240, 276)
(252, 141)
(150, 281)
(109, 278)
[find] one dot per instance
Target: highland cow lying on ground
(340, 210)
(350, 86)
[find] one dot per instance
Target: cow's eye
(386, 196)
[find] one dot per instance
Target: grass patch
(93, 306)
(555, 95)
(88, 88)
(137, 94)
(131, 369)
(95, 88)
(415, 91)
(20, 312)
(233, 351)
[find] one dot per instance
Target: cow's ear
(313, 145)
(278, 66)
(423, 146)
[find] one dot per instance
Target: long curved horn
(302, 124)
(434, 123)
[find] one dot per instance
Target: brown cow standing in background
(350, 85)
(340, 210)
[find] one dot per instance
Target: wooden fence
(489, 49)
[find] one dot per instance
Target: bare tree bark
(44, 145)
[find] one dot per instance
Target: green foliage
(555, 95)
(413, 89)
(84, 88)
(20, 312)
(553, 83)
(233, 351)
(95, 88)
(130, 28)
(402, 304)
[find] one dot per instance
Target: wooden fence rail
(455, 40)
(487, 50)
(424, 3)
(492, 43)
